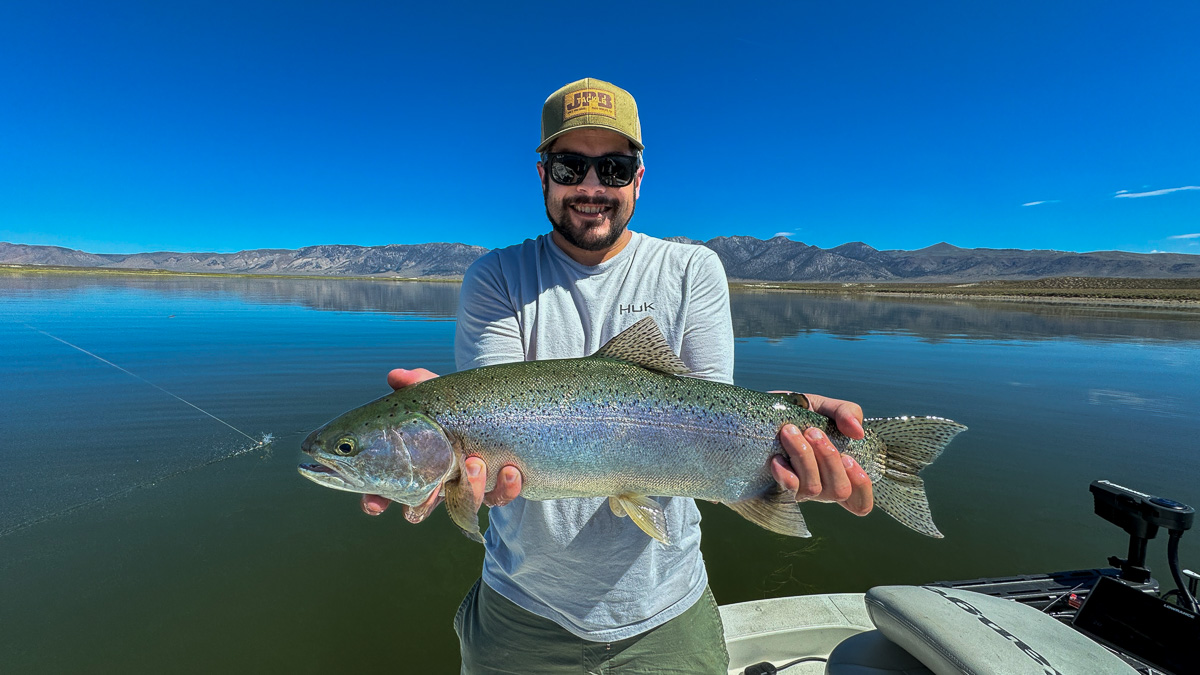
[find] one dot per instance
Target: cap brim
(550, 140)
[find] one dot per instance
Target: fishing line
(104, 360)
(258, 443)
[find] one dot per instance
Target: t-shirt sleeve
(708, 325)
(488, 331)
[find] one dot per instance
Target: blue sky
(220, 126)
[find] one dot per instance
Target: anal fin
(776, 511)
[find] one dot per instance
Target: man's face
(590, 216)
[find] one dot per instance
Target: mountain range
(745, 259)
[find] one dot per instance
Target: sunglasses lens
(615, 170)
(612, 170)
(568, 169)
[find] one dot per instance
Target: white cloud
(783, 234)
(1154, 193)
(1044, 201)
(1185, 236)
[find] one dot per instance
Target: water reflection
(773, 315)
(779, 315)
(436, 299)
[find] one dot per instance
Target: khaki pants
(497, 636)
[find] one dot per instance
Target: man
(568, 586)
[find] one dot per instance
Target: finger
(847, 415)
(401, 378)
(477, 479)
(374, 505)
(862, 497)
(784, 476)
(849, 420)
(835, 485)
(803, 463)
(415, 514)
(508, 487)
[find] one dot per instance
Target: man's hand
(508, 483)
(814, 469)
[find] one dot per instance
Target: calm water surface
(244, 565)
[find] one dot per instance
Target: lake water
(243, 565)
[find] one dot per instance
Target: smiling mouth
(590, 210)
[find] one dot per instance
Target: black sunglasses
(568, 168)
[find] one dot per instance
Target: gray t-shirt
(571, 560)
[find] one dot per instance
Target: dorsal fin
(643, 344)
(796, 398)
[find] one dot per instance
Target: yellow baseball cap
(590, 104)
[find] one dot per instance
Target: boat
(1093, 621)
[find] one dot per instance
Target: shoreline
(1088, 301)
(1176, 294)
(1172, 294)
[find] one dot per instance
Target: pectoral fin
(776, 510)
(643, 511)
(460, 502)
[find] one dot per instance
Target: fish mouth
(330, 476)
(317, 469)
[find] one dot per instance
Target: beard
(586, 237)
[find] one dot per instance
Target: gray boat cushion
(870, 653)
(953, 631)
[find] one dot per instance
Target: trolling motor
(1117, 611)
(1140, 515)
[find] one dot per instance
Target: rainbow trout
(624, 423)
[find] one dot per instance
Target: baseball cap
(590, 104)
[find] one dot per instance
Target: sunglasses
(567, 168)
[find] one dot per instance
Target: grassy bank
(1086, 290)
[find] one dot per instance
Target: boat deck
(781, 630)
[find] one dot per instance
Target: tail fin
(912, 444)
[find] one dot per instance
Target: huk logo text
(634, 309)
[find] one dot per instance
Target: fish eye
(346, 447)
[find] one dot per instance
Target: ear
(542, 176)
(637, 182)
